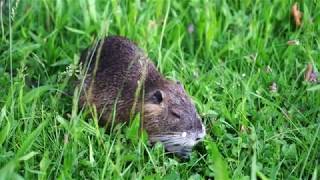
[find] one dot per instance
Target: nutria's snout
(171, 118)
(183, 145)
(179, 143)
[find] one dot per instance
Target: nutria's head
(171, 118)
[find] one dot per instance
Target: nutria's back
(120, 77)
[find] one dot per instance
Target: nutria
(120, 77)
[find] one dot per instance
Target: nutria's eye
(178, 82)
(157, 97)
(175, 114)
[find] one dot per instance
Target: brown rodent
(120, 77)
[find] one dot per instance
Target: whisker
(163, 139)
(170, 134)
(175, 141)
(167, 138)
(172, 144)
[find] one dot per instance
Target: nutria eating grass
(121, 77)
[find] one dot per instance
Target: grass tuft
(243, 63)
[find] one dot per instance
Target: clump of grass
(234, 52)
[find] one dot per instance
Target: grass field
(262, 117)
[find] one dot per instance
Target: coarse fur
(120, 77)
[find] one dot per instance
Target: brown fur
(120, 75)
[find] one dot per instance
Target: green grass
(252, 133)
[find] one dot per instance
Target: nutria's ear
(157, 97)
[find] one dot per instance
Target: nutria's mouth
(179, 143)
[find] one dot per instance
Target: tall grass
(225, 53)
